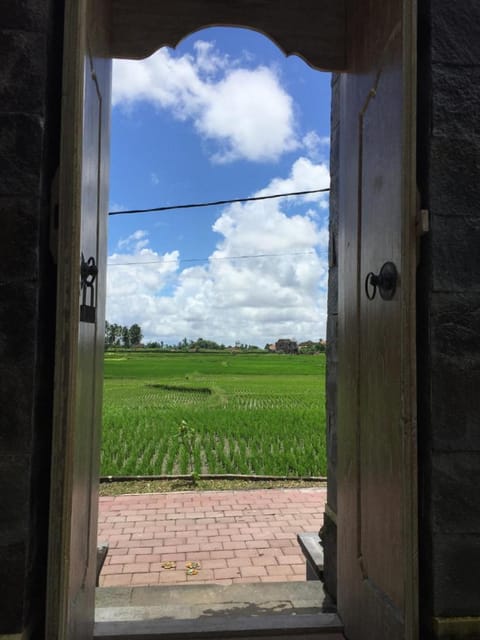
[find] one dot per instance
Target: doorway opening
(377, 179)
(258, 278)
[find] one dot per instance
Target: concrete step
(250, 610)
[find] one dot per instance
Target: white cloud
(208, 60)
(315, 146)
(251, 114)
(135, 279)
(245, 111)
(255, 300)
(116, 206)
(305, 175)
(135, 241)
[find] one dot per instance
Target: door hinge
(422, 222)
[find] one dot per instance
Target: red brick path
(235, 536)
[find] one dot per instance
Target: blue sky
(224, 115)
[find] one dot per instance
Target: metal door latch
(88, 273)
(385, 282)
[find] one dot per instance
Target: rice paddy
(256, 413)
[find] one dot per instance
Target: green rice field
(246, 413)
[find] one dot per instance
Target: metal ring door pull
(385, 282)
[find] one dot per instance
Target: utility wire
(218, 202)
(245, 257)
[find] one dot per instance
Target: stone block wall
(449, 310)
(30, 67)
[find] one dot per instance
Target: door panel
(377, 592)
(83, 205)
(380, 326)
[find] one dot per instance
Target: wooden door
(83, 186)
(377, 559)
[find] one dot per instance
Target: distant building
(284, 345)
(311, 347)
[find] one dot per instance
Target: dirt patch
(173, 387)
(167, 486)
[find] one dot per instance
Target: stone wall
(329, 530)
(29, 135)
(449, 310)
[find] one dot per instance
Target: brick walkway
(235, 536)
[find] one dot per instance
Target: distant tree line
(200, 344)
(118, 336)
(125, 337)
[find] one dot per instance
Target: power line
(244, 257)
(218, 202)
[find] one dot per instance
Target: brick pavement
(235, 536)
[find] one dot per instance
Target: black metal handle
(371, 282)
(385, 282)
(88, 271)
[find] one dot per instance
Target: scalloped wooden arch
(312, 29)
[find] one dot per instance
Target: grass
(249, 413)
